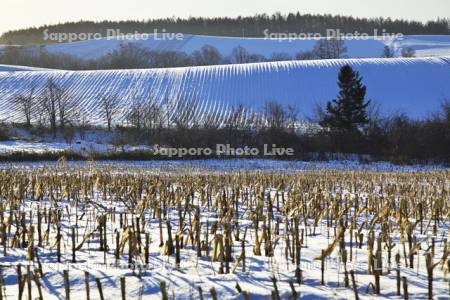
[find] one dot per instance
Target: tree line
(241, 26)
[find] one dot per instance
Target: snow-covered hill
(415, 86)
(371, 47)
(424, 45)
(11, 68)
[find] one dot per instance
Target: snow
(367, 47)
(425, 45)
(230, 165)
(7, 147)
(415, 86)
(14, 68)
(80, 147)
(183, 281)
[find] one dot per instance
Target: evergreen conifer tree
(348, 111)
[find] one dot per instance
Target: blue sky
(15, 14)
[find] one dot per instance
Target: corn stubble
(395, 218)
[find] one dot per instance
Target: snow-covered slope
(415, 86)
(12, 68)
(425, 45)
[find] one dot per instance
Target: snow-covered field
(95, 204)
(122, 219)
(8, 147)
(229, 165)
(81, 147)
(424, 45)
(415, 86)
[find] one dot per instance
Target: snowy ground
(7, 147)
(193, 272)
(80, 147)
(10, 68)
(183, 281)
(228, 165)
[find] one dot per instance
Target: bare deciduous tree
(136, 114)
(236, 118)
(184, 115)
(153, 115)
(207, 55)
(388, 52)
(110, 105)
(235, 123)
(57, 105)
(239, 55)
(49, 103)
(408, 52)
(26, 103)
(274, 114)
(66, 109)
(330, 48)
(211, 121)
(291, 117)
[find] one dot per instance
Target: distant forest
(251, 26)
